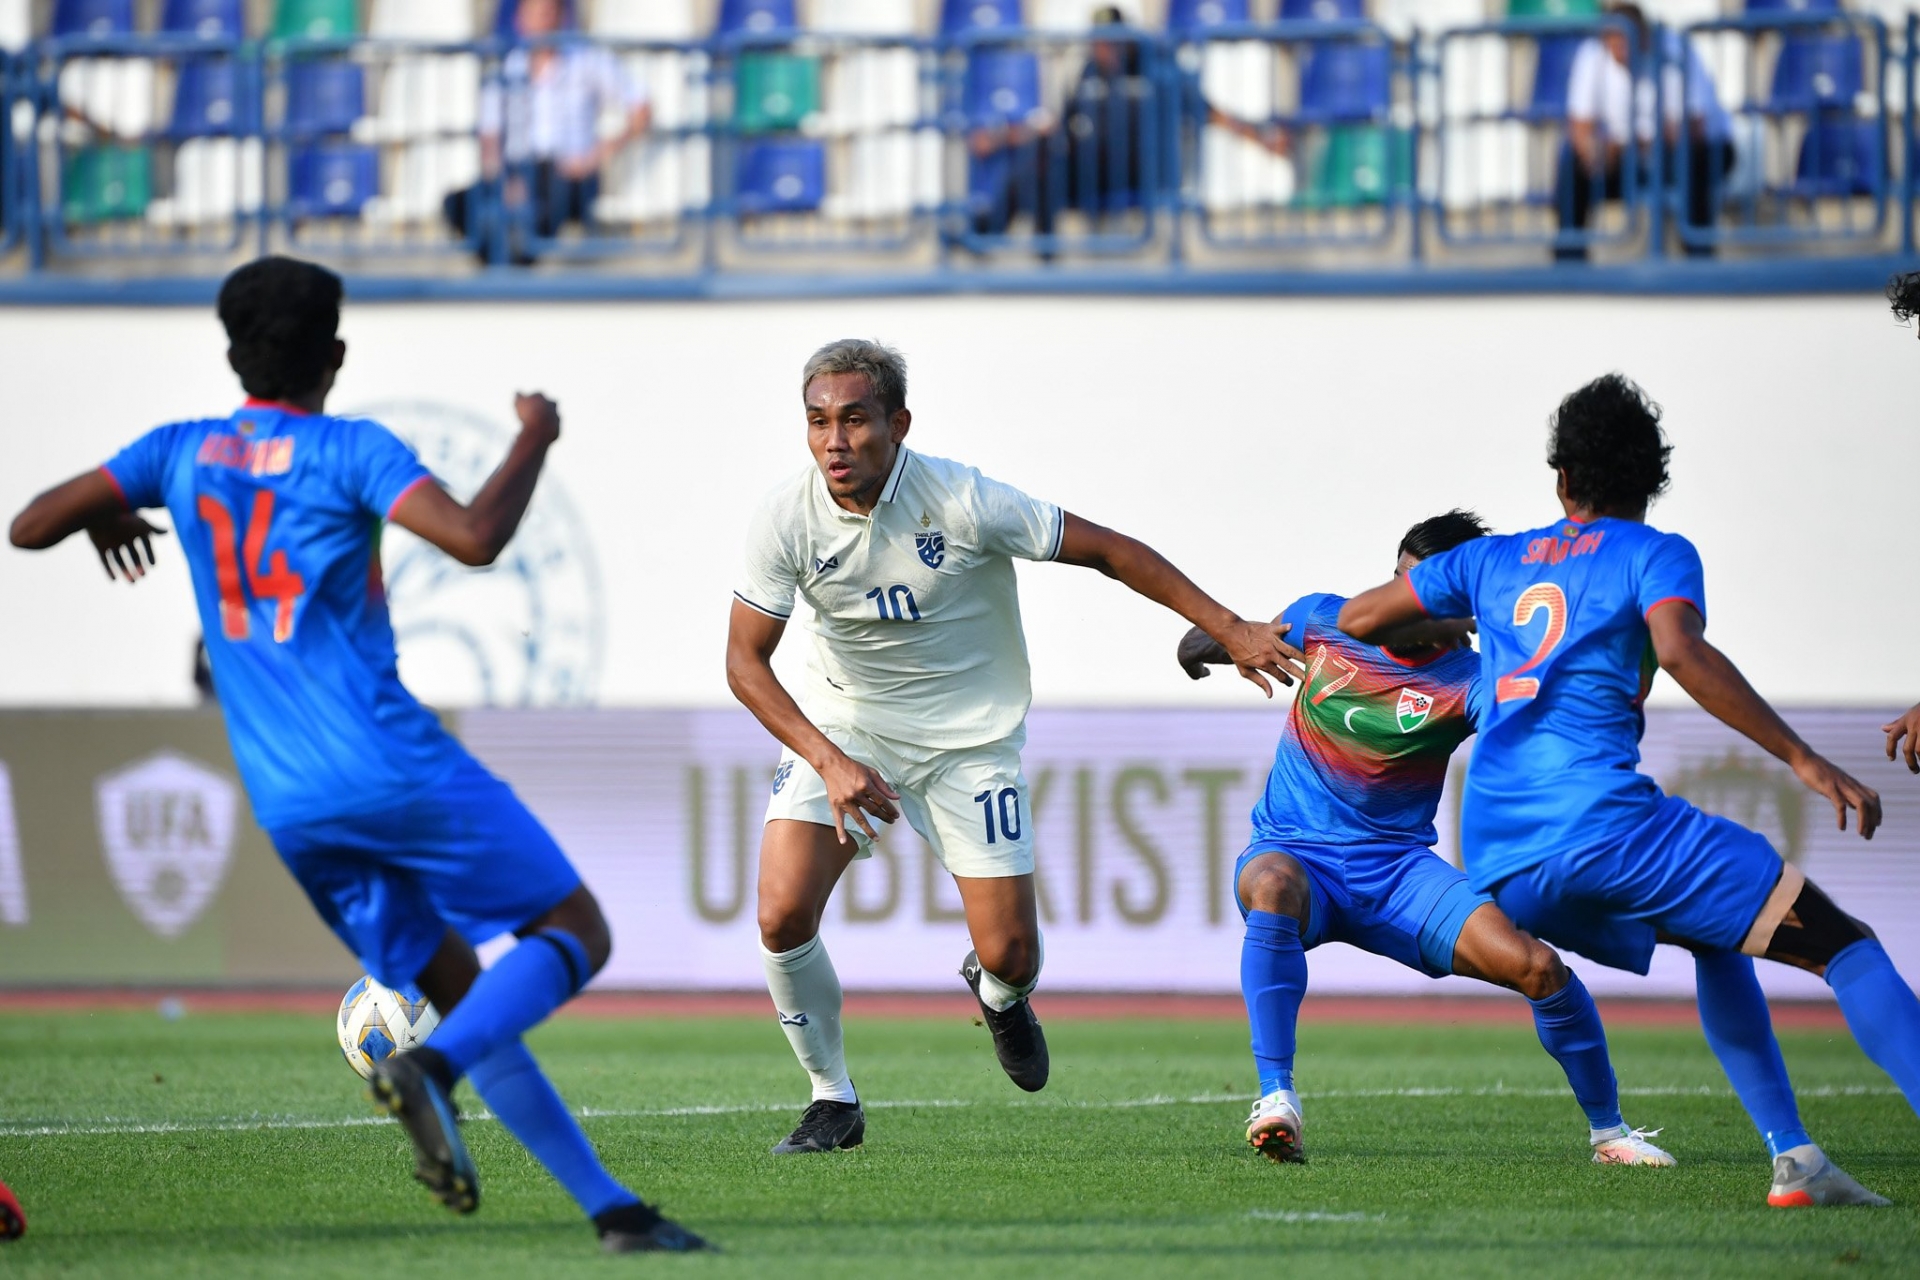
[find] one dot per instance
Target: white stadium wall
(1271, 447)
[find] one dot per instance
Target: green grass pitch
(228, 1144)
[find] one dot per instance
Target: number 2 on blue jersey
(1540, 597)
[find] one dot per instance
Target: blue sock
(1273, 977)
(1881, 1012)
(1570, 1030)
(1733, 1013)
(510, 1082)
(516, 995)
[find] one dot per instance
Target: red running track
(1365, 1010)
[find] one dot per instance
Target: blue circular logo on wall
(528, 631)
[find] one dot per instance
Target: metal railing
(970, 151)
(1808, 156)
(1297, 134)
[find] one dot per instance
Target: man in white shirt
(915, 701)
(539, 126)
(1607, 107)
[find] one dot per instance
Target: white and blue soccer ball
(377, 1022)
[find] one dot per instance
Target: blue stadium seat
(332, 180)
(92, 18)
(1551, 72)
(1346, 81)
(1198, 15)
(1323, 10)
(781, 175)
(1002, 84)
(324, 96)
(207, 19)
(1793, 6)
(1842, 156)
(1817, 71)
(214, 99)
(957, 16)
(755, 17)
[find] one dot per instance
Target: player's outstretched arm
(1391, 615)
(1711, 679)
(853, 789)
(476, 534)
(1907, 727)
(1257, 649)
(1198, 651)
(90, 501)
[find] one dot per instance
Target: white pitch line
(289, 1123)
(1311, 1215)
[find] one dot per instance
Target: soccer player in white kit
(915, 701)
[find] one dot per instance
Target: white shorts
(969, 804)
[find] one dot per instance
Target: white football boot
(1803, 1178)
(1630, 1146)
(1274, 1128)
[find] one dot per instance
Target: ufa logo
(166, 825)
(1413, 709)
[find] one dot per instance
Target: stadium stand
(982, 136)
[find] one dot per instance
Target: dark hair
(1607, 438)
(1634, 15)
(281, 316)
(1904, 293)
(1442, 533)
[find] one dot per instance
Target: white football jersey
(916, 621)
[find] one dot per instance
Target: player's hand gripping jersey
(279, 515)
(1568, 659)
(916, 617)
(1364, 754)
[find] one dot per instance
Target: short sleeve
(492, 118)
(1443, 584)
(1009, 523)
(1584, 83)
(768, 579)
(1672, 571)
(383, 469)
(139, 471)
(618, 84)
(1297, 616)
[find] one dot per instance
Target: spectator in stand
(541, 145)
(1607, 105)
(1096, 139)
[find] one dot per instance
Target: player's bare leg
(1492, 949)
(1003, 920)
(800, 863)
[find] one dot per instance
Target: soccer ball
(377, 1022)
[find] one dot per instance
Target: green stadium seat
(1357, 165)
(1553, 8)
(316, 19)
(774, 92)
(105, 183)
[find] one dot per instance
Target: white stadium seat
(643, 19)
(863, 17)
(445, 20)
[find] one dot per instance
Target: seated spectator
(1606, 107)
(1092, 157)
(541, 150)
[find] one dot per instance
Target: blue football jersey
(1364, 754)
(278, 514)
(1567, 659)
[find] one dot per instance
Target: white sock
(1597, 1136)
(806, 995)
(1000, 996)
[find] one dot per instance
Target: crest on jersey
(166, 826)
(932, 548)
(1413, 710)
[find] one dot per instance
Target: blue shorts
(465, 854)
(1405, 904)
(1683, 873)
